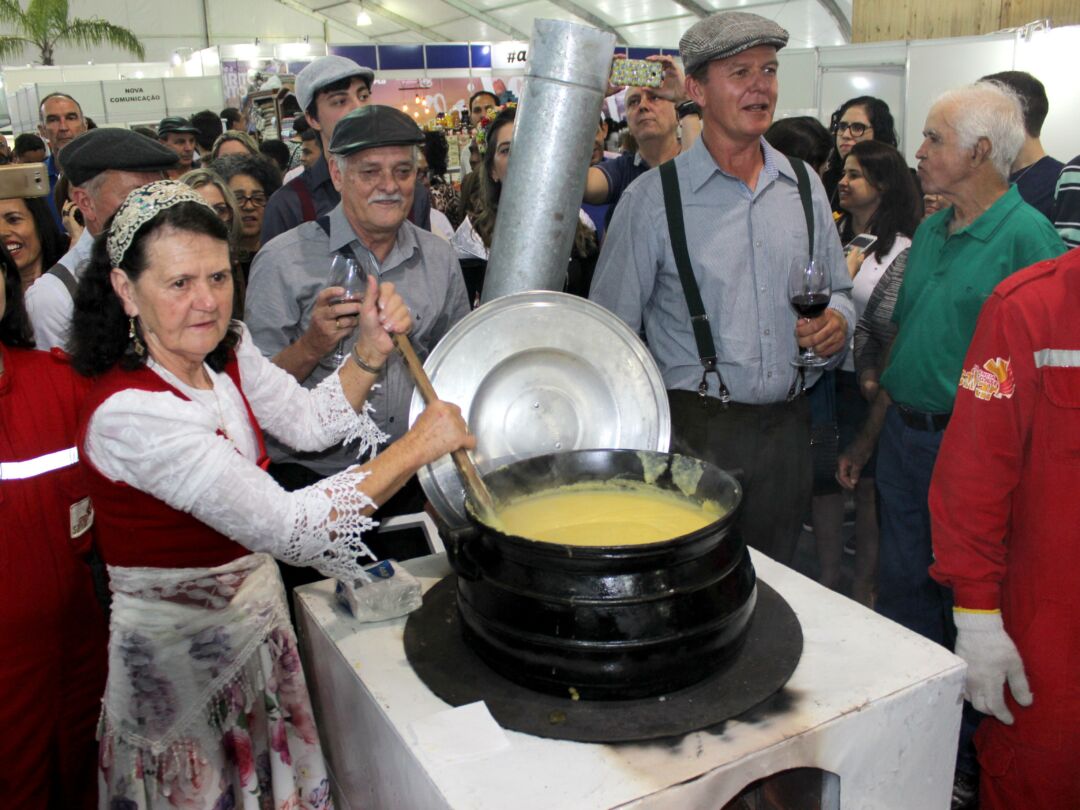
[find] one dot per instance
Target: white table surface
(871, 702)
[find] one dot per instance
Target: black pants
(399, 545)
(767, 447)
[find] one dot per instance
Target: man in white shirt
(103, 167)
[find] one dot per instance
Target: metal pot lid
(540, 372)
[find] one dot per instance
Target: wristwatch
(688, 107)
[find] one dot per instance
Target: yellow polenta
(606, 514)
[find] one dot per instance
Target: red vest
(135, 529)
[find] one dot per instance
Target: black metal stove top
(448, 666)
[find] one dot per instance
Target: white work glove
(992, 660)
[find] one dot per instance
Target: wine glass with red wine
(809, 291)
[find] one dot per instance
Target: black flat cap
(372, 126)
(109, 148)
(176, 123)
(725, 34)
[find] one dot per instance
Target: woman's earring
(133, 336)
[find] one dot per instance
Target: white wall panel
(797, 78)
(935, 66)
(1044, 56)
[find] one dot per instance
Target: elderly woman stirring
(206, 704)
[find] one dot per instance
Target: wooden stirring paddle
(475, 488)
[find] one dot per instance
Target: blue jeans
(906, 593)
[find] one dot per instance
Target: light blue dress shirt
(742, 244)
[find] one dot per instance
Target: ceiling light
(362, 17)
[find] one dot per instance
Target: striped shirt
(1067, 203)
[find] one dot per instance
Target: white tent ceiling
(635, 22)
(166, 27)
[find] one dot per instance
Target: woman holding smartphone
(881, 207)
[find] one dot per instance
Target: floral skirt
(250, 740)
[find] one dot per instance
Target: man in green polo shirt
(958, 255)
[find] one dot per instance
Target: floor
(805, 561)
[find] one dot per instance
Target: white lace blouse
(172, 449)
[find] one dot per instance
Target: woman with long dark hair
(475, 235)
(444, 196)
(52, 630)
(31, 237)
(879, 197)
(864, 118)
(205, 703)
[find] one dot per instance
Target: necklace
(220, 412)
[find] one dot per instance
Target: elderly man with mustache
(289, 305)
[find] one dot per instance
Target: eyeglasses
(258, 199)
(223, 211)
(857, 129)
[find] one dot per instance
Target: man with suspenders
(709, 285)
(102, 166)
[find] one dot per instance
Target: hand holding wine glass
(346, 272)
(809, 290)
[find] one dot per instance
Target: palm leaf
(12, 46)
(46, 18)
(11, 12)
(95, 31)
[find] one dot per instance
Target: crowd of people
(192, 422)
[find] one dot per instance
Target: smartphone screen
(861, 242)
(636, 73)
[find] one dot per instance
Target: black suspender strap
(66, 278)
(669, 177)
(803, 180)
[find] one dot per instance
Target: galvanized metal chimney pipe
(554, 129)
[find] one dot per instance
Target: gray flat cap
(372, 126)
(108, 148)
(726, 34)
(326, 70)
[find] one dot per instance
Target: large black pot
(609, 622)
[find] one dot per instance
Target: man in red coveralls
(1005, 505)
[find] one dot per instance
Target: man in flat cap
(103, 167)
(179, 134)
(289, 308)
(328, 89)
(721, 327)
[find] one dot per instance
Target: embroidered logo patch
(993, 380)
(81, 515)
